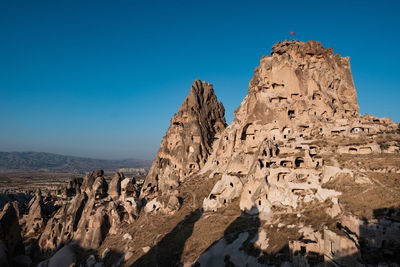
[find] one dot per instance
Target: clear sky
(103, 78)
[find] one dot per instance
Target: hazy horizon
(78, 156)
(103, 79)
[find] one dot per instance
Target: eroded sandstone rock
(188, 141)
(299, 95)
(94, 212)
(35, 218)
(10, 235)
(114, 188)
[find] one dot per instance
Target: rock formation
(299, 178)
(61, 227)
(90, 215)
(188, 142)
(10, 236)
(300, 94)
(35, 218)
(114, 188)
(278, 159)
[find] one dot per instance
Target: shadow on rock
(242, 245)
(169, 250)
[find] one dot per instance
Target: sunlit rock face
(300, 94)
(188, 141)
(299, 83)
(91, 214)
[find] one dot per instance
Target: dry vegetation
(363, 199)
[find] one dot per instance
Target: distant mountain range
(35, 161)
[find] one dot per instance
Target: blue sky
(103, 78)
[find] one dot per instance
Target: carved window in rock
(299, 162)
(335, 133)
(281, 176)
(356, 130)
(353, 150)
(332, 247)
(316, 96)
(261, 164)
(269, 164)
(245, 132)
(264, 153)
(282, 99)
(274, 100)
(286, 163)
(275, 133)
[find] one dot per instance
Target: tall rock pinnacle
(188, 141)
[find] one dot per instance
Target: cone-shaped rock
(188, 141)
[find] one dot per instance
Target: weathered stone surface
(93, 226)
(35, 218)
(89, 180)
(74, 187)
(301, 93)
(114, 188)
(61, 227)
(188, 141)
(99, 188)
(132, 207)
(226, 189)
(95, 211)
(10, 235)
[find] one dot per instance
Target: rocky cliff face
(299, 83)
(299, 118)
(188, 142)
(303, 92)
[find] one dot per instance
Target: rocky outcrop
(92, 214)
(10, 236)
(73, 187)
(93, 226)
(269, 155)
(61, 227)
(188, 141)
(114, 188)
(75, 216)
(89, 180)
(35, 218)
